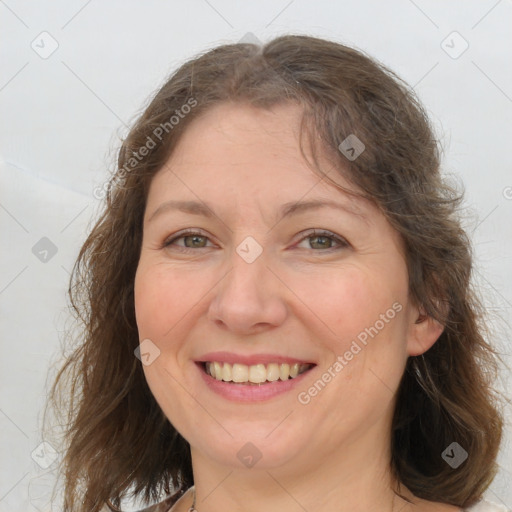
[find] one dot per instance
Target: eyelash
(343, 244)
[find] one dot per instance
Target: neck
(355, 476)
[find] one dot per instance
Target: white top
(481, 506)
(487, 506)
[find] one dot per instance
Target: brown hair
(117, 437)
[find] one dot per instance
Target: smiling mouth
(238, 373)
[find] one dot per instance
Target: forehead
(238, 148)
(244, 164)
(238, 134)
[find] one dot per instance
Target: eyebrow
(286, 210)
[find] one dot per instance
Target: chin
(249, 447)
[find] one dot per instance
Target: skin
(302, 297)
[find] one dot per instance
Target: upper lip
(232, 358)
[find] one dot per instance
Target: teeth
(239, 373)
(273, 372)
(225, 373)
(217, 370)
(284, 371)
(255, 374)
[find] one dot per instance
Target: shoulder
(163, 506)
(486, 506)
(169, 504)
(177, 502)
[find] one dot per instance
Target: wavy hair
(118, 443)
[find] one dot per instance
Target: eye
(321, 239)
(191, 240)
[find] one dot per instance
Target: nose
(249, 298)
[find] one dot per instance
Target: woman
(277, 302)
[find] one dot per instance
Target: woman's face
(270, 283)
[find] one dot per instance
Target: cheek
(363, 318)
(163, 297)
(347, 302)
(360, 314)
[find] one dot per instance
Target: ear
(423, 332)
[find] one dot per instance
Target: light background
(62, 117)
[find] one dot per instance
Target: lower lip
(250, 392)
